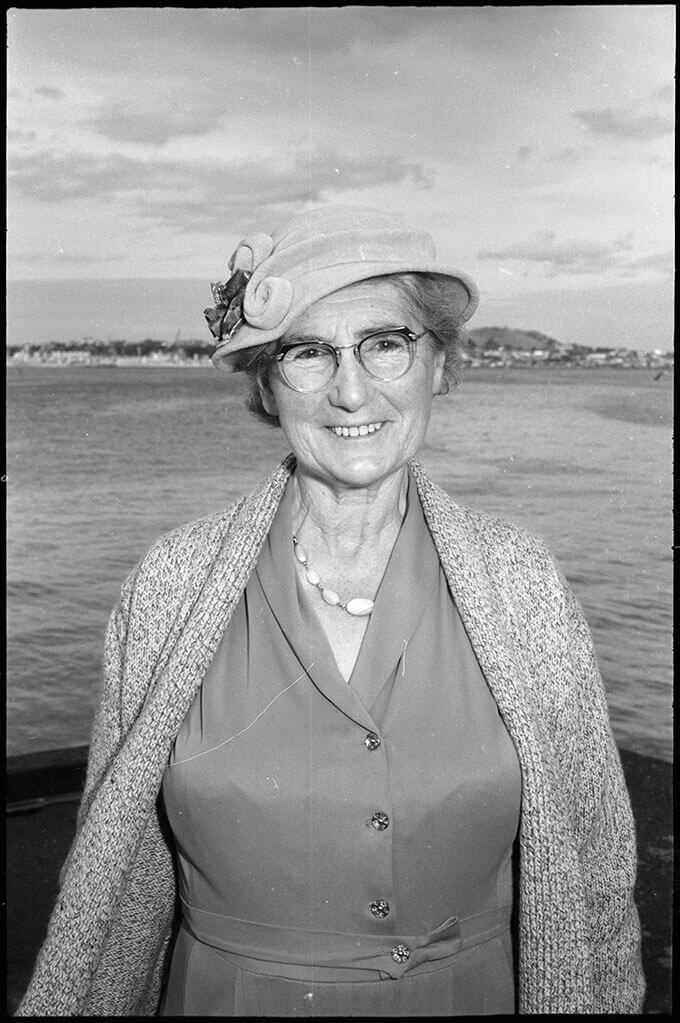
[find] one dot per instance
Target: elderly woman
(353, 754)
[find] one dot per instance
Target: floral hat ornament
(228, 312)
(275, 278)
(263, 306)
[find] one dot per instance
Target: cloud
(622, 124)
(573, 256)
(17, 135)
(660, 262)
(190, 196)
(524, 152)
(303, 30)
(152, 127)
(49, 93)
(567, 155)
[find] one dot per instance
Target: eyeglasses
(311, 365)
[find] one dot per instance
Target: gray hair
(428, 297)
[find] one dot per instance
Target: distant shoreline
(482, 347)
(661, 366)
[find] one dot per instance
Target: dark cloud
(307, 30)
(49, 93)
(622, 124)
(152, 127)
(253, 59)
(235, 196)
(189, 196)
(567, 256)
(218, 36)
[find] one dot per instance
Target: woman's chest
(343, 631)
(279, 755)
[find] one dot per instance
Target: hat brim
(318, 284)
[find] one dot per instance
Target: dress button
(372, 741)
(380, 821)
(400, 953)
(380, 908)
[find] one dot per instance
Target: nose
(350, 386)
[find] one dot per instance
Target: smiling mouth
(355, 431)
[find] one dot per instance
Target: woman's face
(400, 409)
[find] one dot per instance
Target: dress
(314, 820)
(577, 936)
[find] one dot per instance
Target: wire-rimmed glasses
(385, 355)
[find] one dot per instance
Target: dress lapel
(222, 565)
(281, 587)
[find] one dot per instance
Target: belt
(258, 946)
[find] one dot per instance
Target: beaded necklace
(358, 607)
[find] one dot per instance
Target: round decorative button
(400, 953)
(380, 908)
(380, 821)
(372, 741)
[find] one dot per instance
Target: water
(102, 460)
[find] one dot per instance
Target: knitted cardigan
(108, 940)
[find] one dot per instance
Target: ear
(439, 385)
(267, 396)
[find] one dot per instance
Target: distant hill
(483, 338)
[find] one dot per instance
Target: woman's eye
(308, 353)
(386, 343)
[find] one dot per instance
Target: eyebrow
(300, 339)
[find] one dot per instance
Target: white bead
(331, 597)
(313, 577)
(300, 553)
(359, 606)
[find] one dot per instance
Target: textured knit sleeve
(107, 730)
(107, 733)
(596, 797)
(49, 989)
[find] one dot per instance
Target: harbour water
(102, 460)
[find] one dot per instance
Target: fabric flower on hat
(227, 313)
(257, 299)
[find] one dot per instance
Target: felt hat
(275, 278)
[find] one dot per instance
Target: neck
(348, 520)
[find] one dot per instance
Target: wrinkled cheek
(306, 447)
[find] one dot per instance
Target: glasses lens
(308, 367)
(386, 355)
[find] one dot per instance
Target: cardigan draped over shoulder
(108, 939)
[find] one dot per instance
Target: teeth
(355, 431)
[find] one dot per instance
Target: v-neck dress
(343, 848)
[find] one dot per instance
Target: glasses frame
(410, 336)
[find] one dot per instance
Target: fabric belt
(266, 948)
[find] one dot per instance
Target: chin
(360, 472)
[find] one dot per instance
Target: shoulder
(491, 536)
(185, 542)
(502, 542)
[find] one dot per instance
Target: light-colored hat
(276, 277)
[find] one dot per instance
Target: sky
(536, 144)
